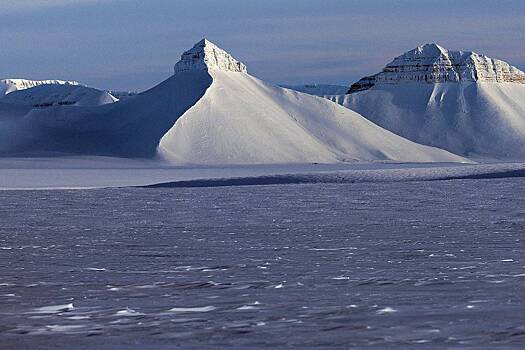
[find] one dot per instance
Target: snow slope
(211, 111)
(242, 120)
(47, 95)
(9, 85)
(463, 102)
(130, 128)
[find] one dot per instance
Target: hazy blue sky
(133, 44)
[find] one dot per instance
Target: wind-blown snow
(400, 174)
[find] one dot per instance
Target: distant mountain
(460, 101)
(318, 89)
(47, 93)
(9, 85)
(59, 95)
(211, 111)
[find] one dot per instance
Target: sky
(133, 44)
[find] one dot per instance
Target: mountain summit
(204, 56)
(432, 63)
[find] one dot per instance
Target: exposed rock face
(432, 63)
(206, 55)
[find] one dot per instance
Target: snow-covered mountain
(318, 89)
(211, 111)
(48, 95)
(9, 85)
(241, 119)
(432, 63)
(464, 102)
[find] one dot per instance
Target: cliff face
(205, 56)
(432, 63)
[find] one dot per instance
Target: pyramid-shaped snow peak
(204, 56)
(432, 63)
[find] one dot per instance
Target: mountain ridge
(212, 112)
(432, 63)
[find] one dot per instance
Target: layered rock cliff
(432, 63)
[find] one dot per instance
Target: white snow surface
(205, 56)
(102, 172)
(243, 120)
(9, 85)
(466, 103)
(473, 119)
(48, 95)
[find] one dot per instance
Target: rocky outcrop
(204, 56)
(432, 63)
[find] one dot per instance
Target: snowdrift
(401, 174)
(463, 102)
(211, 111)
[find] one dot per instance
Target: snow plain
(405, 265)
(107, 172)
